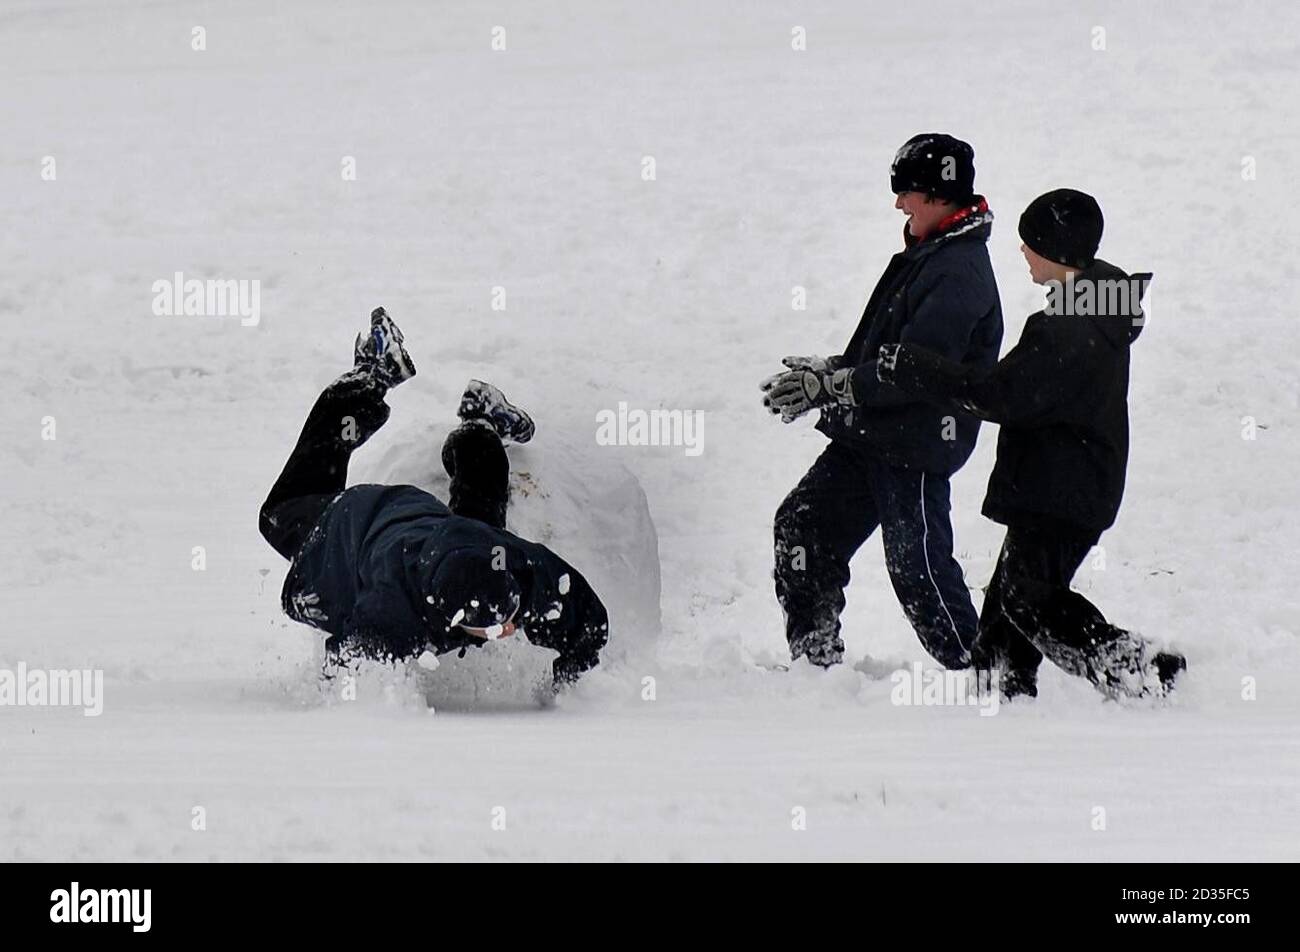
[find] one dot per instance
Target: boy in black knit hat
(891, 454)
(1061, 397)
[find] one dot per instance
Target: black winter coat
(1061, 397)
(939, 294)
(384, 572)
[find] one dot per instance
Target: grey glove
(793, 393)
(818, 365)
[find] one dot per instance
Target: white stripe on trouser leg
(925, 549)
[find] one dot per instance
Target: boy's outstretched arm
(576, 625)
(1024, 388)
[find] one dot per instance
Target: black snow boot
(819, 649)
(1130, 666)
(1009, 682)
(1168, 665)
(484, 402)
(993, 672)
(1017, 684)
(381, 351)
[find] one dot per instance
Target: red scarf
(952, 223)
(959, 216)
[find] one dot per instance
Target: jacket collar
(964, 221)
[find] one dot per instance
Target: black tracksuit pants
(1030, 612)
(347, 413)
(847, 494)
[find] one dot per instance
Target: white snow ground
(522, 169)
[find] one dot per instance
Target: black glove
(565, 671)
(887, 362)
(793, 393)
(914, 369)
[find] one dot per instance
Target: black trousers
(1030, 612)
(846, 495)
(347, 413)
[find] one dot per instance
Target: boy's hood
(470, 585)
(1122, 318)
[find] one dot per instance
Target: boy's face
(923, 212)
(496, 632)
(1041, 270)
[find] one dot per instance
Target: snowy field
(522, 169)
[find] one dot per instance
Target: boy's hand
(887, 363)
(495, 633)
(795, 392)
(814, 363)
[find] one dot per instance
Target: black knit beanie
(1064, 226)
(937, 165)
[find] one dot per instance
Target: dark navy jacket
(939, 294)
(382, 572)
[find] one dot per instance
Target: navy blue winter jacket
(387, 568)
(940, 294)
